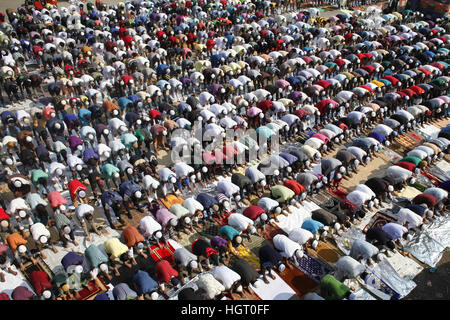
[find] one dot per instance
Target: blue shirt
(144, 282)
(312, 225)
(206, 200)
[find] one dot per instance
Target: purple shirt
(217, 242)
(163, 216)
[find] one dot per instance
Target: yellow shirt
(115, 248)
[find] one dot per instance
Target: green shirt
(411, 159)
(179, 210)
(281, 193)
(229, 232)
(36, 175)
(108, 170)
(332, 289)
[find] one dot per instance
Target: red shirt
(406, 165)
(427, 73)
(339, 62)
(426, 198)
(40, 281)
(253, 212)
(192, 37)
(367, 88)
(210, 44)
(126, 79)
(391, 79)
(294, 186)
(128, 40)
(75, 186)
(164, 271)
(417, 89)
(3, 214)
(369, 69)
(324, 84)
(154, 113)
(264, 105)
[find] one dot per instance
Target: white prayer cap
(79, 269)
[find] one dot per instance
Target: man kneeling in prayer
(185, 260)
(230, 279)
(248, 274)
(270, 258)
(362, 249)
(348, 268)
(288, 249)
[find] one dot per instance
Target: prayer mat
(327, 253)
(313, 267)
(136, 217)
(391, 155)
(271, 231)
(245, 253)
(441, 170)
(406, 141)
(408, 192)
(165, 253)
(414, 136)
(246, 296)
(297, 280)
(374, 281)
(433, 179)
(170, 200)
(276, 289)
(339, 192)
(419, 186)
(223, 221)
(89, 293)
(40, 266)
(211, 230)
(379, 220)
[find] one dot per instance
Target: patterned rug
(406, 141)
(415, 136)
(300, 282)
(433, 179)
(379, 220)
(170, 200)
(165, 253)
(211, 230)
(89, 293)
(245, 253)
(374, 281)
(327, 253)
(314, 268)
